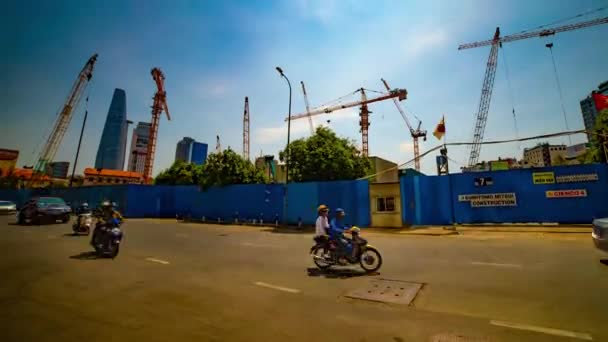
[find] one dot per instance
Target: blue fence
(247, 202)
(566, 194)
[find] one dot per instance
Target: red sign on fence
(566, 193)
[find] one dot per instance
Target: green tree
(599, 140)
(324, 157)
(180, 173)
(228, 167)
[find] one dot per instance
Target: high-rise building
(190, 151)
(139, 147)
(111, 152)
(589, 110)
(58, 169)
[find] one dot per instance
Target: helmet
(106, 204)
(339, 210)
(355, 229)
(322, 207)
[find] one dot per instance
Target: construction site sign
(505, 199)
(543, 178)
(566, 193)
(588, 177)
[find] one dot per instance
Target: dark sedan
(7, 208)
(600, 233)
(39, 210)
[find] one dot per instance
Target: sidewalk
(497, 228)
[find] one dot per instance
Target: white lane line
(51, 236)
(550, 331)
(158, 261)
(249, 244)
(479, 263)
(274, 287)
(181, 235)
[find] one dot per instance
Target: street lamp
(287, 157)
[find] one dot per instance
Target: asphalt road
(185, 282)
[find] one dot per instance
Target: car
(600, 233)
(42, 209)
(7, 208)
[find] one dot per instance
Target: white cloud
(407, 146)
(212, 88)
(423, 42)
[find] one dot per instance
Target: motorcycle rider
(322, 225)
(82, 209)
(107, 217)
(336, 233)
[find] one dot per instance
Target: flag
(601, 101)
(440, 129)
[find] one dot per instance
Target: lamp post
(287, 157)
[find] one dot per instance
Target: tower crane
(246, 130)
(312, 128)
(159, 105)
(488, 81)
(416, 133)
(400, 94)
(65, 116)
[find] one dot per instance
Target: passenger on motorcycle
(107, 217)
(322, 226)
(336, 233)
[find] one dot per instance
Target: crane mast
(51, 146)
(246, 130)
(415, 133)
(488, 81)
(312, 128)
(159, 105)
(364, 112)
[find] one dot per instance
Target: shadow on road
(85, 256)
(337, 273)
(288, 230)
(604, 261)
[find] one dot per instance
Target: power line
(510, 89)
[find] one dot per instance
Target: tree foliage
(180, 173)
(323, 157)
(227, 168)
(599, 140)
(220, 169)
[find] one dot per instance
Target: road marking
(181, 235)
(51, 236)
(550, 331)
(280, 288)
(158, 261)
(479, 263)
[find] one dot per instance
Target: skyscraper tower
(111, 151)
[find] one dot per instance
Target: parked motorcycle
(326, 254)
(106, 238)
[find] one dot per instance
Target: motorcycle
(326, 254)
(106, 238)
(83, 223)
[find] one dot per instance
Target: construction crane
(400, 94)
(488, 81)
(159, 105)
(246, 130)
(65, 116)
(312, 128)
(416, 133)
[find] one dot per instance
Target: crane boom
(538, 33)
(312, 128)
(159, 105)
(416, 133)
(488, 82)
(63, 121)
(401, 94)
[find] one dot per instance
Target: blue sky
(214, 54)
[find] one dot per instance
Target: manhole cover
(455, 338)
(387, 291)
